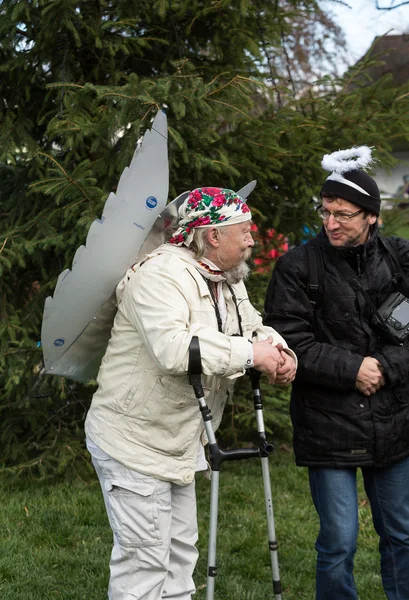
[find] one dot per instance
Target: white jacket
(144, 413)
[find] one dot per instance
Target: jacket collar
(191, 264)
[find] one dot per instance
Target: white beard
(237, 274)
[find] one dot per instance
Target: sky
(362, 22)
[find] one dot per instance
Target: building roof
(392, 55)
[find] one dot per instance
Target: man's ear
(213, 237)
(372, 219)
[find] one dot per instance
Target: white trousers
(155, 531)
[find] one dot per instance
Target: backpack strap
(315, 288)
(392, 258)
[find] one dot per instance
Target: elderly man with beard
(144, 428)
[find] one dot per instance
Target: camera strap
(315, 288)
(393, 262)
(216, 306)
(356, 284)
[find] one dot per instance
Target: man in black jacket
(350, 398)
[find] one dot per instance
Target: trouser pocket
(133, 512)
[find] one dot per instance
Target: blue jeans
(334, 494)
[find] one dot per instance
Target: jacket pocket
(169, 419)
(402, 396)
(333, 422)
(350, 403)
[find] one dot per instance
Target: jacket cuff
(239, 354)
(250, 355)
(352, 368)
(292, 354)
(388, 371)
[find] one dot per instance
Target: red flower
(176, 239)
(195, 198)
(210, 191)
(245, 208)
(193, 203)
(219, 200)
(200, 221)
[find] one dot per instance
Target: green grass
(55, 540)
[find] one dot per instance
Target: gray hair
(199, 243)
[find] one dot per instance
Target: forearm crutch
(218, 456)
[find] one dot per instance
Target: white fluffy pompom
(341, 161)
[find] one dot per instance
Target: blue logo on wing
(151, 202)
(59, 342)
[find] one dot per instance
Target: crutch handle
(195, 367)
(218, 456)
(254, 378)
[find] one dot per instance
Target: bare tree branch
(341, 2)
(21, 32)
(390, 7)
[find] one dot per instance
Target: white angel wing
(245, 191)
(77, 320)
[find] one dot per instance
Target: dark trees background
(251, 91)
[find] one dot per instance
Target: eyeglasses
(341, 217)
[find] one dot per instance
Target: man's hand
(370, 376)
(285, 373)
(267, 358)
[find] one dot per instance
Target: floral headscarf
(209, 206)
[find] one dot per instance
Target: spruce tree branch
(22, 351)
(55, 414)
(4, 243)
(67, 185)
(147, 113)
(4, 313)
(301, 127)
(50, 189)
(49, 86)
(263, 146)
(271, 148)
(36, 184)
(8, 134)
(227, 84)
(354, 75)
(20, 467)
(34, 462)
(70, 179)
(232, 107)
(218, 77)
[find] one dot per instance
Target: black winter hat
(348, 181)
